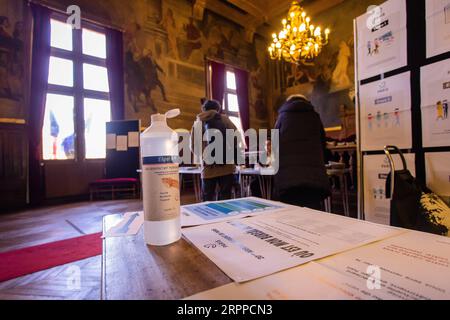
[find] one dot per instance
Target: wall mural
(12, 69)
(165, 55)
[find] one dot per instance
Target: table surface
(131, 270)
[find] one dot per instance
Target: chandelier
(300, 40)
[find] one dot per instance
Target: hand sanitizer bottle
(160, 181)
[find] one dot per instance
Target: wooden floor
(34, 227)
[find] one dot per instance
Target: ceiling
(259, 16)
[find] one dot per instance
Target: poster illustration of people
(435, 86)
(376, 169)
(381, 37)
(438, 27)
(386, 113)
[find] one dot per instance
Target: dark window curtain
(39, 80)
(115, 65)
(217, 80)
(242, 92)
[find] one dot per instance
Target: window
(78, 103)
(231, 102)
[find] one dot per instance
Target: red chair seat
(117, 181)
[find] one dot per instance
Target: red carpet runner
(25, 261)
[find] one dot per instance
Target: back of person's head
(211, 105)
(297, 96)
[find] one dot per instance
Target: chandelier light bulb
(298, 40)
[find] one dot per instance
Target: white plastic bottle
(160, 181)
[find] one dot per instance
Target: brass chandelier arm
(299, 40)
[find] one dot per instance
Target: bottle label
(161, 188)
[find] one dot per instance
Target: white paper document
(437, 166)
(129, 225)
(308, 282)
(412, 266)
(219, 211)
(381, 38)
(110, 141)
(438, 27)
(122, 143)
(259, 246)
(386, 113)
(377, 208)
(133, 139)
(435, 91)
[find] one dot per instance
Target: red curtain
(115, 65)
(242, 92)
(217, 80)
(39, 80)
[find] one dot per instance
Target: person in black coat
(302, 178)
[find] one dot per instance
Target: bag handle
(390, 180)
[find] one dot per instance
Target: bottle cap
(158, 117)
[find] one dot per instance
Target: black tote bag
(413, 206)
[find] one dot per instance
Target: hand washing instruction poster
(438, 27)
(385, 112)
(381, 38)
(435, 86)
(377, 208)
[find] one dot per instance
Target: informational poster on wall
(437, 166)
(386, 113)
(381, 38)
(435, 88)
(376, 170)
(438, 27)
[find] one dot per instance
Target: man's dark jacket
(302, 146)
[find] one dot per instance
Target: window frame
(77, 91)
(227, 91)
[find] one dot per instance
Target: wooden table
(133, 271)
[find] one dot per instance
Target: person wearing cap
(217, 178)
(302, 178)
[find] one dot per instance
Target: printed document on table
(307, 282)
(411, 266)
(219, 211)
(251, 248)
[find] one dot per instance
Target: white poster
(376, 169)
(438, 27)
(386, 113)
(437, 166)
(435, 88)
(381, 36)
(255, 247)
(412, 266)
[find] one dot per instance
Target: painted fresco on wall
(12, 69)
